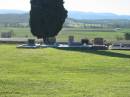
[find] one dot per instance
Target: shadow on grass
(97, 69)
(98, 52)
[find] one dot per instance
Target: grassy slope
(63, 73)
(63, 35)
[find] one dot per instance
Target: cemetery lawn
(51, 72)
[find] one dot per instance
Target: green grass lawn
(50, 72)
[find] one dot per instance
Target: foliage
(119, 38)
(47, 17)
(69, 73)
(127, 36)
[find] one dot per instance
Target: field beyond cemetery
(50, 72)
(79, 33)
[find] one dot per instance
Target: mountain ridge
(76, 14)
(94, 15)
(12, 11)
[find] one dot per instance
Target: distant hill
(10, 11)
(95, 16)
(77, 15)
(15, 18)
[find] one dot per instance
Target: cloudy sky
(113, 6)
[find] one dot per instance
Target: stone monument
(85, 41)
(71, 40)
(98, 41)
(31, 42)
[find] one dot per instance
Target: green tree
(47, 18)
(127, 36)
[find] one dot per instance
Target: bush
(127, 36)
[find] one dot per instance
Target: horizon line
(70, 11)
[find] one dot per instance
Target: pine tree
(47, 18)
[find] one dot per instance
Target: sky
(109, 6)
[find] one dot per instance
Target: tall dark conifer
(47, 18)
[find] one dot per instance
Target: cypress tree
(47, 18)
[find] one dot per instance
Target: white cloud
(15, 4)
(114, 6)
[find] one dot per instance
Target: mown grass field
(49, 72)
(78, 33)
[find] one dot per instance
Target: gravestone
(85, 41)
(31, 42)
(52, 40)
(71, 40)
(98, 44)
(98, 41)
